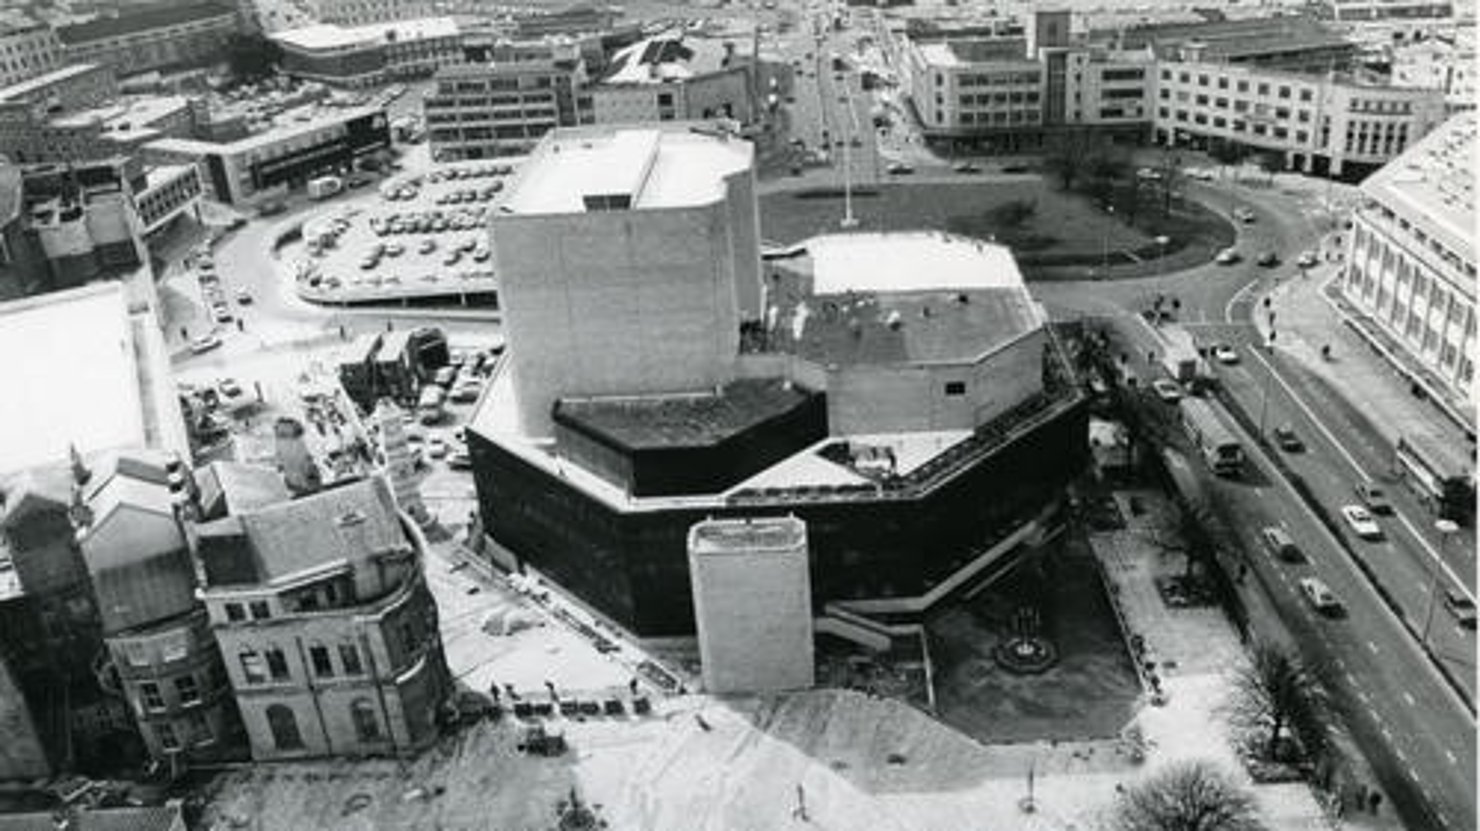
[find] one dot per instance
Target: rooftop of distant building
(1234, 38)
(970, 50)
(916, 297)
(40, 82)
(668, 57)
(143, 19)
(331, 36)
(1433, 183)
(127, 115)
(589, 169)
(77, 379)
(285, 126)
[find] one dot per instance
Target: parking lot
(421, 235)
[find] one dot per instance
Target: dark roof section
(233, 488)
(149, 17)
(672, 421)
(1234, 39)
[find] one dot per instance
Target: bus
(1441, 474)
(1218, 446)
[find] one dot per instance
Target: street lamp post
(1446, 528)
(1105, 241)
(1161, 243)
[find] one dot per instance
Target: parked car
(460, 460)
(1319, 595)
(1167, 390)
(436, 447)
(1268, 259)
(1243, 215)
(229, 387)
(445, 376)
(1307, 259)
(1281, 545)
(204, 343)
(966, 167)
(1225, 354)
(1374, 498)
(899, 169)
(1288, 441)
(222, 313)
(1227, 256)
(1361, 521)
(243, 295)
(1461, 607)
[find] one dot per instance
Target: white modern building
(1315, 123)
(27, 51)
(501, 108)
(1411, 254)
(360, 12)
(752, 604)
(605, 230)
(1446, 64)
(371, 53)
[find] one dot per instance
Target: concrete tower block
(752, 603)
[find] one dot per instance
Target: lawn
(1064, 237)
(1089, 694)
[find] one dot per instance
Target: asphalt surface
(1417, 732)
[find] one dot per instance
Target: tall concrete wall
(752, 604)
(898, 398)
(617, 302)
(22, 755)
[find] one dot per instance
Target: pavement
(820, 758)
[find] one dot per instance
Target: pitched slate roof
(234, 488)
(347, 523)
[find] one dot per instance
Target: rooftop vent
(894, 321)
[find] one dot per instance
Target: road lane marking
(1228, 307)
(1408, 697)
(1345, 454)
(1372, 646)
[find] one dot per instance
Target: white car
(1166, 390)
(204, 343)
(1362, 523)
(1319, 595)
(1225, 354)
(1227, 256)
(1307, 259)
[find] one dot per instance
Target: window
(149, 694)
(367, 727)
(955, 388)
(259, 610)
(166, 735)
(253, 669)
(187, 689)
(284, 727)
(349, 658)
(318, 655)
(277, 664)
(234, 612)
(200, 729)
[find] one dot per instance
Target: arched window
(284, 727)
(367, 726)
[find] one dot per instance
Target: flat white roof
(911, 261)
(1432, 183)
(72, 377)
(939, 54)
(654, 168)
(333, 36)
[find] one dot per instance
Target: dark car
(1461, 606)
(1285, 437)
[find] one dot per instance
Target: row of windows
(187, 690)
(271, 664)
(998, 98)
(1260, 87)
(1237, 125)
(1014, 117)
(995, 79)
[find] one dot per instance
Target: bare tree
(1187, 796)
(1275, 691)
